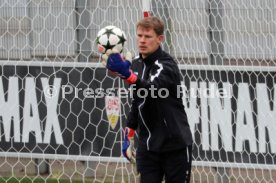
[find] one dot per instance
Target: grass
(49, 180)
(38, 180)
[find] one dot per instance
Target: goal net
(62, 114)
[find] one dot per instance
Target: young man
(157, 111)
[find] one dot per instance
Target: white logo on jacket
(160, 68)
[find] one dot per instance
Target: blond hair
(152, 23)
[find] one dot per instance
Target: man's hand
(120, 66)
(117, 64)
(128, 145)
(104, 57)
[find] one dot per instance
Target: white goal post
(58, 103)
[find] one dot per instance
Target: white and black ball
(110, 37)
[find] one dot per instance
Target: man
(157, 111)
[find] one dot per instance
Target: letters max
(10, 111)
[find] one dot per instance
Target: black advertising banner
(59, 110)
(232, 115)
(77, 111)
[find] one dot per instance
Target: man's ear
(161, 38)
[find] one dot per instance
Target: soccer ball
(110, 37)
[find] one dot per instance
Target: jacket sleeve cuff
(132, 78)
(131, 132)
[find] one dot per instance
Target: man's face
(148, 41)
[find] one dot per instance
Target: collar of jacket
(149, 60)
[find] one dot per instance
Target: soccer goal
(62, 114)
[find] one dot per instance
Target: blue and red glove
(128, 145)
(120, 66)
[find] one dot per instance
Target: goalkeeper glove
(120, 66)
(104, 57)
(128, 145)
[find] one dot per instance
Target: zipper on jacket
(165, 123)
(170, 135)
(140, 106)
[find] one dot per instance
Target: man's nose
(142, 39)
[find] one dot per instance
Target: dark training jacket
(161, 121)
